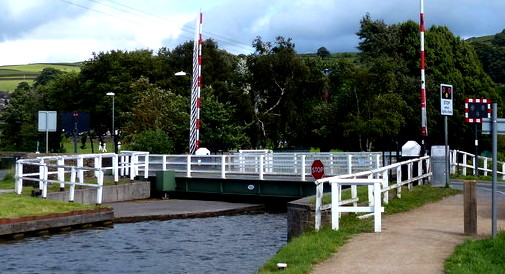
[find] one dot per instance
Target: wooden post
(470, 208)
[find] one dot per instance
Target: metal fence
(262, 165)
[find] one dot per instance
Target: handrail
(423, 172)
(126, 163)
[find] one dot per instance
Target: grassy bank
(312, 247)
(14, 206)
(478, 256)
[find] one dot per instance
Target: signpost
(494, 126)
(475, 111)
(47, 123)
(317, 169)
(446, 95)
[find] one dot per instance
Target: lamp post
(113, 130)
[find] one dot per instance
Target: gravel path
(417, 241)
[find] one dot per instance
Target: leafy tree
(152, 140)
(323, 52)
(19, 120)
(155, 108)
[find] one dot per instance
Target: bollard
(470, 208)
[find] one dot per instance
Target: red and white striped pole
(194, 127)
(424, 123)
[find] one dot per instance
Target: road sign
(47, 121)
(500, 126)
(317, 169)
(446, 95)
(477, 109)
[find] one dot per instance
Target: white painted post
(133, 166)
(354, 194)
(385, 182)
(409, 175)
(19, 175)
(377, 207)
(420, 171)
(115, 167)
(370, 192)
(319, 204)
(261, 172)
(223, 166)
(188, 166)
(399, 182)
(80, 172)
(453, 161)
(303, 174)
(44, 181)
(335, 209)
(71, 192)
(146, 166)
(464, 164)
(99, 189)
(164, 162)
(61, 172)
(41, 172)
(97, 164)
(485, 166)
(377, 161)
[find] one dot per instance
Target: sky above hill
(33, 31)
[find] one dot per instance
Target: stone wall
(301, 217)
(115, 193)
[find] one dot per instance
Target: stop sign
(317, 169)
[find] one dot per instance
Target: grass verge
(303, 252)
(478, 256)
(14, 206)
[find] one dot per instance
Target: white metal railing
(463, 161)
(377, 178)
(262, 165)
(73, 169)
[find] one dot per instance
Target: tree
(19, 120)
(157, 109)
(323, 52)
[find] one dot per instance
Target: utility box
(438, 166)
(165, 181)
(410, 150)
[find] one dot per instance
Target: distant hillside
(483, 39)
(11, 76)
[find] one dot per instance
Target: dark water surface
(230, 244)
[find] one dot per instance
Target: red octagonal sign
(317, 169)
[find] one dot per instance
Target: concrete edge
(163, 217)
(18, 227)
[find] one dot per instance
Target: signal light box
(446, 95)
(476, 110)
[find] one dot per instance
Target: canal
(228, 244)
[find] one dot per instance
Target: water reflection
(229, 244)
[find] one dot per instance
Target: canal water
(228, 244)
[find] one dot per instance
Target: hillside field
(11, 76)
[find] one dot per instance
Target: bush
(153, 140)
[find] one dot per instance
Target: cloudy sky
(33, 31)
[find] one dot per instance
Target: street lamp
(113, 131)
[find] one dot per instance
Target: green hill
(11, 76)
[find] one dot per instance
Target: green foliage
(478, 256)
(152, 140)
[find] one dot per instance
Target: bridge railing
(405, 175)
(79, 170)
(464, 162)
(261, 165)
